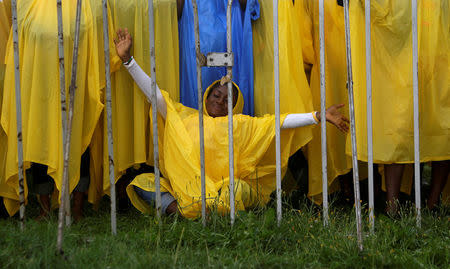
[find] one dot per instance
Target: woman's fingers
(339, 106)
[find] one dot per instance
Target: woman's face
(217, 102)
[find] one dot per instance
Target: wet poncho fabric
(212, 23)
(295, 95)
(5, 26)
(392, 80)
(41, 106)
(254, 160)
(132, 143)
(336, 91)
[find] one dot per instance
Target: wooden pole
(276, 73)
(151, 26)
(230, 116)
(369, 116)
(62, 86)
(323, 123)
(352, 126)
(200, 109)
(18, 112)
(416, 113)
(65, 201)
(112, 181)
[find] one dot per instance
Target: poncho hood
(238, 107)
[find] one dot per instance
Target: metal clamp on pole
(220, 59)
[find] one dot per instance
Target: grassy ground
(254, 241)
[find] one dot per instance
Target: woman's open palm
(335, 117)
(123, 42)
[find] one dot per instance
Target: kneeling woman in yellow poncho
(180, 159)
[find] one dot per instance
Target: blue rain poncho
(213, 33)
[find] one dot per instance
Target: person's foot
(392, 209)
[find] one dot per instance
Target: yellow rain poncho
(392, 80)
(132, 143)
(41, 107)
(295, 95)
(254, 159)
(336, 91)
(5, 26)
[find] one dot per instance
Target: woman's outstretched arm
(123, 43)
(332, 114)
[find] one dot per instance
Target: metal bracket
(220, 59)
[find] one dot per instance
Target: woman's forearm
(144, 83)
(299, 120)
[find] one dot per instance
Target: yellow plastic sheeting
(95, 191)
(147, 183)
(295, 95)
(132, 143)
(5, 26)
(336, 91)
(392, 80)
(41, 107)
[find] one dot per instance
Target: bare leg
(45, 207)
(77, 209)
(393, 174)
(439, 172)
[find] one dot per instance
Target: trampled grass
(255, 241)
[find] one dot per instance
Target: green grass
(255, 241)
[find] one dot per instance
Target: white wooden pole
(416, 113)
(200, 109)
(65, 200)
(369, 116)
(62, 85)
(276, 73)
(151, 26)
(323, 123)
(352, 126)
(112, 181)
(230, 116)
(18, 112)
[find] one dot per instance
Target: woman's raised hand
(123, 42)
